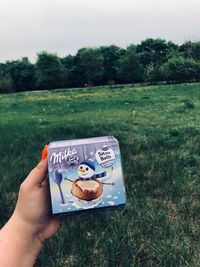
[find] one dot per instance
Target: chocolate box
(85, 174)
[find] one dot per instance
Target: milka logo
(65, 155)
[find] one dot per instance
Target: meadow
(158, 128)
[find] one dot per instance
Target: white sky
(64, 26)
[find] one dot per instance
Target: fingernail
(44, 152)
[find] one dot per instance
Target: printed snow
(84, 204)
(64, 204)
(111, 203)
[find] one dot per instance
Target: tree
(180, 69)
(190, 50)
(129, 69)
(154, 51)
(6, 82)
(111, 55)
(153, 73)
(22, 73)
(195, 51)
(172, 51)
(49, 71)
(89, 65)
(71, 79)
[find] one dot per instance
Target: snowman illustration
(88, 186)
(87, 189)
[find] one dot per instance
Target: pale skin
(23, 236)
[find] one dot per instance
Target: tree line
(152, 60)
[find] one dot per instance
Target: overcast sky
(64, 26)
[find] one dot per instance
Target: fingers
(45, 182)
(44, 152)
(53, 227)
(38, 175)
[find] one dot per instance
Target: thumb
(37, 175)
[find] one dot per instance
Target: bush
(6, 83)
(153, 73)
(179, 69)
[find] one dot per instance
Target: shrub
(153, 73)
(179, 69)
(6, 83)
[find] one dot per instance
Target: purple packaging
(85, 174)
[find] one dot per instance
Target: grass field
(158, 128)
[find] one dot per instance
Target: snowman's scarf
(99, 175)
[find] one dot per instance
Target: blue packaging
(85, 174)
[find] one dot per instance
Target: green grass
(158, 128)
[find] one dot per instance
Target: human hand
(22, 237)
(33, 205)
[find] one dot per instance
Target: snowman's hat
(89, 163)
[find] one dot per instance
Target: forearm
(18, 246)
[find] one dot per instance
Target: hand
(33, 206)
(22, 237)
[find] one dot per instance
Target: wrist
(17, 237)
(25, 230)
